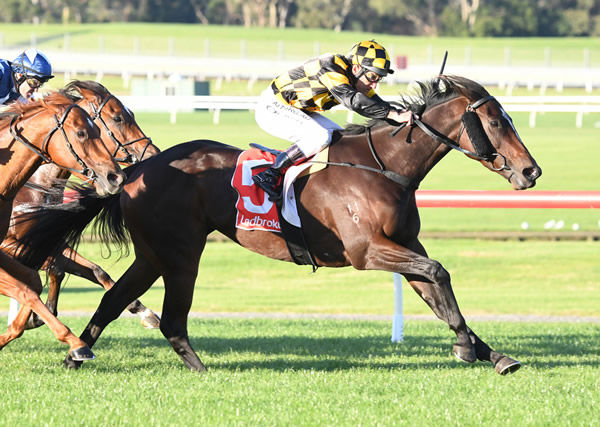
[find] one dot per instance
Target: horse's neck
(17, 164)
(17, 161)
(414, 156)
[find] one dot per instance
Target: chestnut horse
(57, 131)
(172, 201)
(128, 145)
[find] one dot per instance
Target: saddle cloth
(254, 209)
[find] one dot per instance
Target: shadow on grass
(299, 353)
(281, 351)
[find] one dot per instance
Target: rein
(43, 152)
(434, 134)
(439, 137)
(129, 158)
(391, 175)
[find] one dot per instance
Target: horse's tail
(53, 227)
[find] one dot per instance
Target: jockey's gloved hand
(402, 116)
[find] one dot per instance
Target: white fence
(534, 105)
(202, 67)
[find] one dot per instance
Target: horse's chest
(5, 214)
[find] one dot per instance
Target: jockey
(21, 78)
(289, 108)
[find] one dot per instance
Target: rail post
(398, 320)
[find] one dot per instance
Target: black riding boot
(271, 179)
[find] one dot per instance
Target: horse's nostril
(115, 179)
(532, 173)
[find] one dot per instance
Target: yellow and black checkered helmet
(371, 56)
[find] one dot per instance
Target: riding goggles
(372, 77)
(35, 82)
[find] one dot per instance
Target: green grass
(488, 277)
(309, 372)
(305, 372)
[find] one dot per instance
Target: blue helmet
(33, 63)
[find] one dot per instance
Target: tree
(330, 14)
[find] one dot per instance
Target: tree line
(477, 18)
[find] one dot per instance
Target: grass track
(306, 372)
(488, 277)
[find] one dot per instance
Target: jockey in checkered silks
(289, 108)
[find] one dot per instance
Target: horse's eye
(81, 134)
(494, 123)
(118, 118)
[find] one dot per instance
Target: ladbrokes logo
(254, 210)
(250, 223)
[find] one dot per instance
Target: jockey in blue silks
(21, 78)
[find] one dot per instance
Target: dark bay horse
(57, 131)
(128, 144)
(172, 201)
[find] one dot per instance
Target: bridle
(129, 158)
(43, 151)
(486, 152)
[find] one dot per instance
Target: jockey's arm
(369, 105)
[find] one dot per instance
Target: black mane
(433, 92)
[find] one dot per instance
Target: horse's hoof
(70, 363)
(82, 353)
(466, 354)
(506, 365)
(149, 319)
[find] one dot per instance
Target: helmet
(371, 56)
(33, 63)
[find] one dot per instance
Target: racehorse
(57, 131)
(128, 145)
(172, 201)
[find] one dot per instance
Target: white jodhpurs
(310, 132)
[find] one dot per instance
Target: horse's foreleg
(136, 280)
(72, 262)
(503, 364)
(23, 284)
(430, 280)
(55, 278)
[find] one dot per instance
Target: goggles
(35, 82)
(372, 77)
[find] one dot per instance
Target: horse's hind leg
(179, 291)
(72, 262)
(136, 280)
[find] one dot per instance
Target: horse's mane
(56, 101)
(432, 92)
(73, 89)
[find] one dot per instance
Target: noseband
(43, 152)
(470, 121)
(129, 158)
